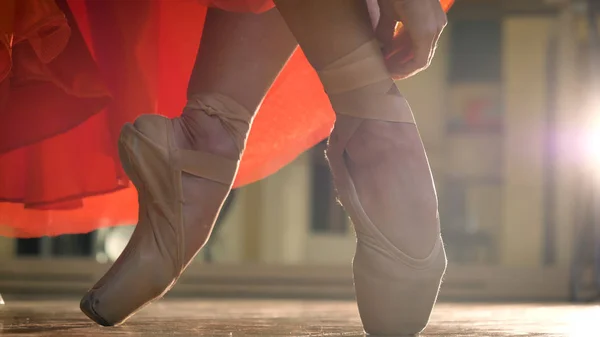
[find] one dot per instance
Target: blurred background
(508, 118)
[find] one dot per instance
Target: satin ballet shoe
(395, 293)
(157, 254)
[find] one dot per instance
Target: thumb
(385, 33)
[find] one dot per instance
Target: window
(475, 51)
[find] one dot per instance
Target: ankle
(198, 131)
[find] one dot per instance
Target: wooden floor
(293, 318)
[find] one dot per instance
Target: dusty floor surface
(293, 318)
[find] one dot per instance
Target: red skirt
(68, 88)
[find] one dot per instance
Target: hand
(409, 31)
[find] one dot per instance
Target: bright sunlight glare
(592, 142)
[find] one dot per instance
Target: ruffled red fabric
(243, 6)
(59, 170)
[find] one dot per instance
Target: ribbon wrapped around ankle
(235, 118)
(359, 85)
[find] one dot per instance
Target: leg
(240, 57)
(379, 165)
(183, 168)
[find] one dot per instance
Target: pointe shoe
(395, 293)
(156, 255)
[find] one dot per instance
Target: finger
(423, 24)
(374, 12)
(434, 44)
(442, 21)
(390, 8)
(441, 15)
(385, 33)
(421, 57)
(401, 53)
(434, 47)
(425, 39)
(411, 61)
(433, 30)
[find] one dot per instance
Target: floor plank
(293, 318)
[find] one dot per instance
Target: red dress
(66, 92)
